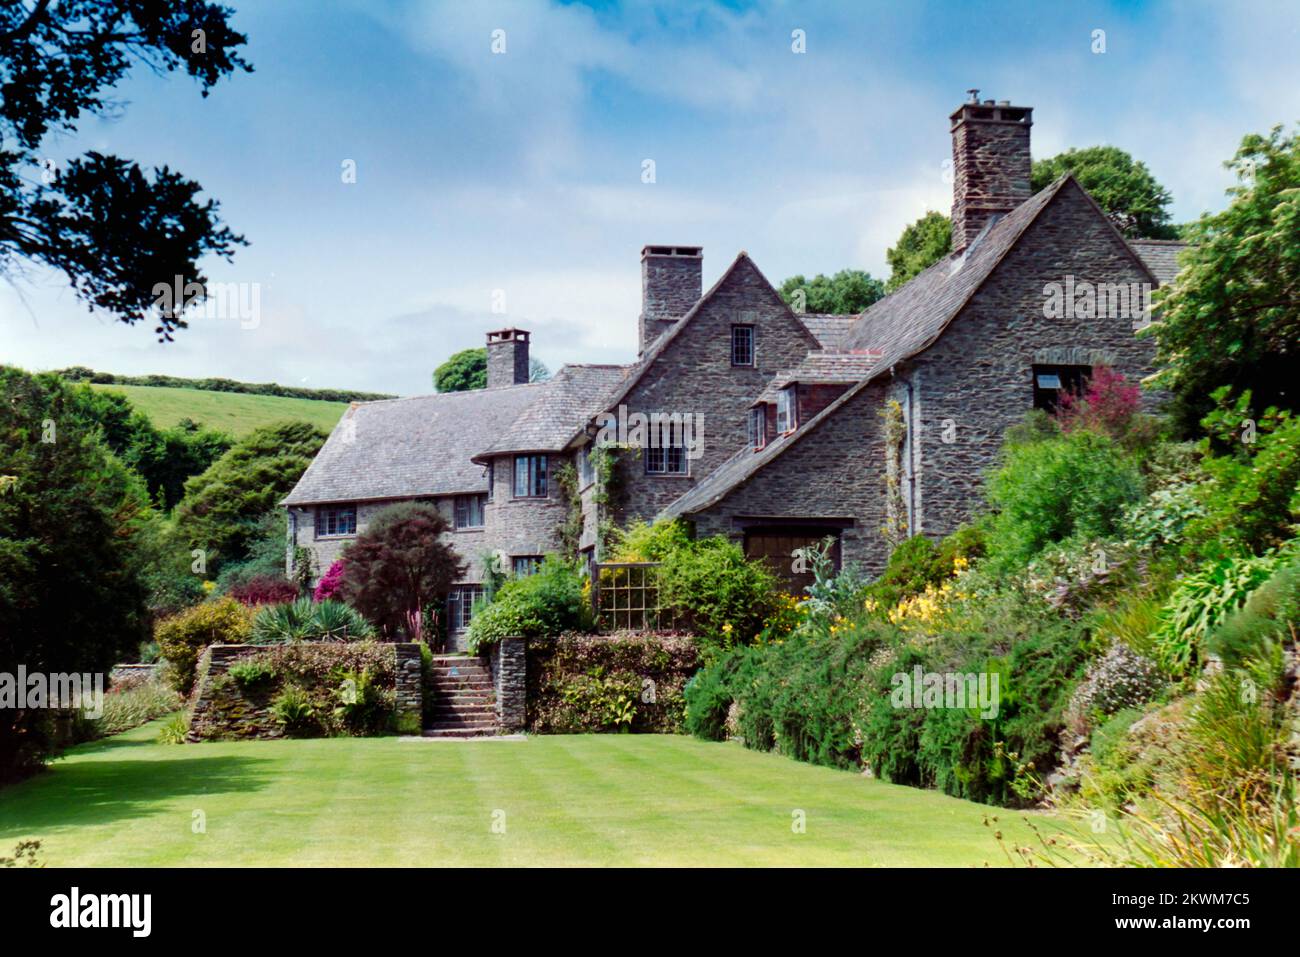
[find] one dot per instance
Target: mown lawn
(235, 412)
(580, 800)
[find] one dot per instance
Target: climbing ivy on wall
(895, 527)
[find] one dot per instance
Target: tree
(114, 230)
(465, 370)
(72, 524)
(400, 565)
(921, 245)
(537, 371)
(163, 458)
(224, 506)
(1232, 318)
(848, 292)
(1135, 202)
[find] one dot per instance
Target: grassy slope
(232, 412)
(580, 800)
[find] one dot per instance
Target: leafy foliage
(164, 458)
(307, 620)
(1250, 499)
(183, 636)
(1233, 316)
(464, 371)
(110, 227)
(400, 565)
(1123, 187)
(550, 601)
(73, 528)
(921, 245)
(1077, 485)
(223, 507)
(848, 292)
(331, 583)
(1200, 602)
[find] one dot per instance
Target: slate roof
(827, 328)
(819, 367)
(642, 365)
(901, 325)
(573, 395)
(1160, 255)
(425, 445)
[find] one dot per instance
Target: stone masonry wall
(971, 386)
(836, 471)
(695, 374)
(978, 377)
(221, 709)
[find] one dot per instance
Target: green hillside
(233, 412)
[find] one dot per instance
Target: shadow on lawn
(99, 792)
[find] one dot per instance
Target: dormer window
(786, 410)
(742, 345)
(758, 427)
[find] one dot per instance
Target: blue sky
(521, 172)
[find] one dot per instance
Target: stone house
(748, 420)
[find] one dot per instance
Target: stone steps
(463, 698)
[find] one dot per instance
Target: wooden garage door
(777, 546)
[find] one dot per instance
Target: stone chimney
(671, 282)
(507, 357)
(990, 156)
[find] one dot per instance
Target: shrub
(362, 706)
(1200, 602)
(714, 592)
(264, 590)
(331, 583)
(710, 694)
(251, 673)
(547, 602)
(183, 637)
(1075, 486)
(1269, 616)
(305, 620)
(626, 681)
(640, 542)
(294, 710)
(1121, 679)
(1251, 502)
(400, 564)
(175, 730)
(131, 707)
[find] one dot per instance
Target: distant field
(233, 412)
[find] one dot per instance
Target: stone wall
(836, 471)
(695, 375)
(577, 682)
(221, 709)
(508, 663)
(961, 395)
(977, 379)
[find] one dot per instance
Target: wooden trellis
(625, 595)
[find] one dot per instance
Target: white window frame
(787, 410)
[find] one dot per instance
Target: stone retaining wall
(221, 709)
